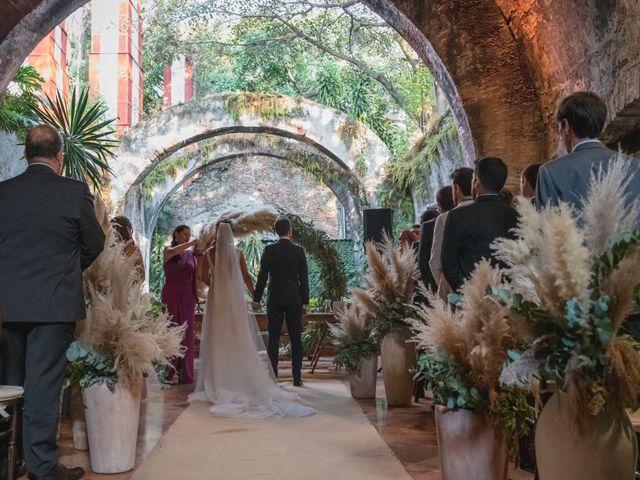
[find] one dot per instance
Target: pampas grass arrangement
(389, 285)
(465, 349)
(575, 277)
(353, 338)
(243, 222)
(122, 329)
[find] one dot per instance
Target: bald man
(48, 235)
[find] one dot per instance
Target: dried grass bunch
(574, 279)
(465, 349)
(353, 337)
(243, 222)
(121, 324)
(389, 285)
(476, 335)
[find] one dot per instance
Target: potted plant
(575, 277)
(122, 340)
(357, 350)
(390, 284)
(478, 420)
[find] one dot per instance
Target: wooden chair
(336, 307)
(10, 399)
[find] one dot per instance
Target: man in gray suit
(580, 118)
(48, 234)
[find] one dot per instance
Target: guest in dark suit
(529, 180)
(285, 266)
(581, 118)
(48, 234)
(444, 201)
(470, 230)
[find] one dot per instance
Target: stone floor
(409, 432)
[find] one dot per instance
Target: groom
(285, 264)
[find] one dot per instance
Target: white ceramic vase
(112, 426)
(363, 382)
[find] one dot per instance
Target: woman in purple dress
(179, 294)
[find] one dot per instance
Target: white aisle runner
(336, 443)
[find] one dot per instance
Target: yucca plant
(88, 137)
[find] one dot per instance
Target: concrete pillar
(178, 82)
(49, 58)
(115, 60)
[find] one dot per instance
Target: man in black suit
(48, 234)
(285, 265)
(470, 230)
(444, 201)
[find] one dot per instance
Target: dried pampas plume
(120, 323)
(609, 208)
(243, 222)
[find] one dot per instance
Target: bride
(235, 374)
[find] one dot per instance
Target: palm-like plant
(16, 109)
(88, 137)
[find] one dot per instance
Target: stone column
(178, 82)
(115, 61)
(49, 58)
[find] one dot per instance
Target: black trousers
(292, 315)
(34, 357)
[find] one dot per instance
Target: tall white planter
(112, 426)
(363, 382)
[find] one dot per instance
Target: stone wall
(12, 160)
(251, 183)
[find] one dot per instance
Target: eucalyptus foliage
(350, 351)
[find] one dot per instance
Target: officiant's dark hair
(282, 226)
(42, 141)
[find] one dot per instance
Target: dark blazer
(285, 265)
(48, 234)
(424, 253)
(468, 234)
(567, 178)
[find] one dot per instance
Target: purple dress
(180, 297)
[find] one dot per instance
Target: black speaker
(376, 221)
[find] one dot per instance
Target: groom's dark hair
(282, 226)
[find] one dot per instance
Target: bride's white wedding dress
(234, 372)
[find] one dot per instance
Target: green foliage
(318, 245)
(160, 174)
(87, 367)
(453, 387)
(17, 109)
(156, 270)
(88, 139)
(391, 316)
(350, 351)
(252, 248)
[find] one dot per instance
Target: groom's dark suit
(285, 265)
(48, 234)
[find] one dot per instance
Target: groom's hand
(255, 306)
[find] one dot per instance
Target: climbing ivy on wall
(160, 173)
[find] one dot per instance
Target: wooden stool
(10, 398)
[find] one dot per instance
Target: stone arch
(143, 206)
(336, 136)
(502, 64)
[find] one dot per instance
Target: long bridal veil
(234, 372)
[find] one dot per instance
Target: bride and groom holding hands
(234, 374)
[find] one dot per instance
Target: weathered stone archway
(333, 134)
(503, 64)
(143, 202)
